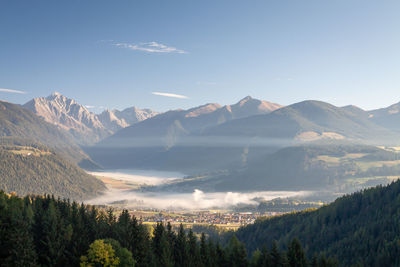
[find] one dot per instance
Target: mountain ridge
(85, 126)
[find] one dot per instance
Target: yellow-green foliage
(100, 254)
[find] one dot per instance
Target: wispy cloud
(89, 106)
(151, 47)
(12, 91)
(170, 95)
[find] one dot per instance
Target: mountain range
(211, 137)
(226, 144)
(84, 126)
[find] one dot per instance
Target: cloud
(89, 106)
(151, 47)
(12, 91)
(170, 95)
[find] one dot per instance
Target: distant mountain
(31, 168)
(16, 121)
(141, 142)
(210, 138)
(85, 126)
(387, 117)
(67, 114)
(306, 120)
(249, 106)
(165, 129)
(115, 120)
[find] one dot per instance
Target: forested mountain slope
(31, 168)
(363, 228)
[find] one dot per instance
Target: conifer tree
(236, 253)
(204, 251)
(181, 248)
(295, 254)
(161, 247)
(194, 253)
(277, 259)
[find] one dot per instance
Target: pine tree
(276, 257)
(16, 240)
(296, 255)
(221, 257)
(161, 246)
(213, 253)
(181, 248)
(204, 252)
(50, 237)
(236, 253)
(194, 254)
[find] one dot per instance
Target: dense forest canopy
(361, 228)
(43, 231)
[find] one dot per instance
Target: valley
(199, 133)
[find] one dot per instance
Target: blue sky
(115, 54)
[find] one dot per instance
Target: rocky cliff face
(116, 120)
(86, 127)
(67, 114)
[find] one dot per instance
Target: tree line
(44, 231)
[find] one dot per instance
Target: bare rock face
(126, 117)
(86, 127)
(67, 114)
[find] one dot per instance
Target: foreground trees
(43, 231)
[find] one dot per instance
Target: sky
(171, 54)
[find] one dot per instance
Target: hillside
(332, 166)
(361, 228)
(31, 168)
(388, 117)
(16, 121)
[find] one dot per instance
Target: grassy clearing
(112, 183)
(363, 180)
(26, 151)
(364, 166)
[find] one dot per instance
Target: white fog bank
(197, 200)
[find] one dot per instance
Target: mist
(202, 141)
(198, 200)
